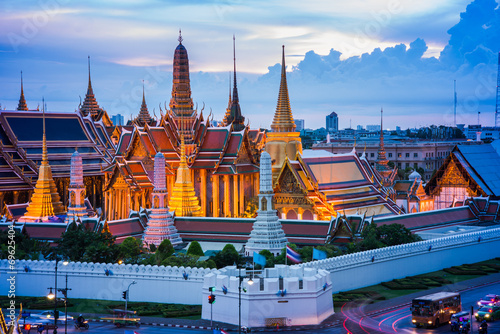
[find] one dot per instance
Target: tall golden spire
(283, 118)
(22, 101)
(90, 105)
(381, 164)
(45, 201)
(144, 116)
(183, 199)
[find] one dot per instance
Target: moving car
(50, 316)
(489, 300)
(488, 313)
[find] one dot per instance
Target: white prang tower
(76, 189)
(267, 232)
(161, 221)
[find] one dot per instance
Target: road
(398, 320)
(393, 320)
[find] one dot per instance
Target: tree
(164, 250)
(396, 234)
(227, 257)
(76, 242)
(26, 248)
(269, 258)
(130, 250)
(195, 249)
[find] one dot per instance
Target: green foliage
(396, 234)
(269, 259)
(416, 283)
(26, 248)
(164, 251)
(195, 249)
(130, 250)
(227, 257)
(152, 248)
(80, 244)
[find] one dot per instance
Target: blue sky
(349, 57)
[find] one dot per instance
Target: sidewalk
(336, 319)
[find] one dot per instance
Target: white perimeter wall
(357, 270)
(89, 280)
(167, 284)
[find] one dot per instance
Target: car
(489, 300)
(488, 313)
(50, 316)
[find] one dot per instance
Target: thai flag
(293, 255)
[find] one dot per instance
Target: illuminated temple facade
(218, 164)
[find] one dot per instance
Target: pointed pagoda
(181, 103)
(45, 201)
(183, 200)
(381, 164)
(161, 221)
(234, 117)
(283, 141)
(267, 232)
(76, 207)
(144, 117)
(227, 115)
(22, 101)
(90, 105)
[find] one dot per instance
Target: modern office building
(299, 123)
(332, 122)
(117, 120)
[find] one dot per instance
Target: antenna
(497, 105)
(455, 101)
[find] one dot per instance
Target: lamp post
(54, 295)
(250, 282)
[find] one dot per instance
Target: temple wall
(363, 269)
(89, 280)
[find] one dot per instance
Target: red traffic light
(27, 327)
(211, 299)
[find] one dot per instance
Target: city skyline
(394, 55)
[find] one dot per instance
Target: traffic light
(27, 327)
(211, 299)
(124, 295)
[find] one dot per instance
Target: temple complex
(221, 162)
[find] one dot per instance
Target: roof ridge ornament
(180, 39)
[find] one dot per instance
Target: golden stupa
(183, 199)
(45, 201)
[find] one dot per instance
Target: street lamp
(54, 295)
(250, 282)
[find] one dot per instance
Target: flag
(293, 255)
(259, 259)
(318, 254)
(223, 331)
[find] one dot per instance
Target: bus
(435, 309)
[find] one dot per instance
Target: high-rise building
(332, 122)
(299, 123)
(117, 119)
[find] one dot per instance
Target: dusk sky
(351, 57)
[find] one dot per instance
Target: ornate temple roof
(478, 165)
(283, 119)
(337, 183)
(21, 142)
(144, 117)
(233, 115)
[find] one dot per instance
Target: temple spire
(235, 116)
(90, 105)
(45, 201)
(381, 164)
(283, 118)
(144, 116)
(22, 101)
